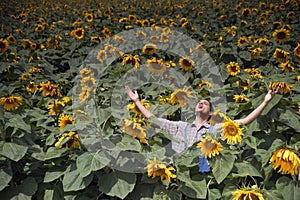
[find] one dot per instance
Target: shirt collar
(206, 125)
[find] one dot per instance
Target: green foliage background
(33, 168)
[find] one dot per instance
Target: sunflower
(242, 41)
(56, 107)
(231, 131)
(180, 96)
(129, 59)
(262, 42)
(282, 87)
(25, 76)
(71, 138)
(280, 55)
(163, 100)
(154, 38)
(281, 35)
(208, 84)
(32, 46)
(186, 63)
(247, 194)
(39, 28)
(49, 89)
(240, 98)
(135, 129)
(287, 27)
(255, 52)
(156, 66)
(87, 81)
(140, 34)
(64, 120)
(170, 63)
(11, 40)
(78, 33)
(149, 48)
(11, 102)
(119, 39)
(217, 117)
(35, 70)
(287, 67)
(4, 45)
(106, 32)
(157, 169)
(85, 72)
(209, 147)
(135, 109)
(31, 87)
(233, 68)
(85, 94)
(246, 12)
(254, 72)
(297, 50)
(286, 160)
(132, 18)
(88, 17)
(101, 55)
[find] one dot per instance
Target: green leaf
(291, 119)
(52, 175)
(74, 181)
(245, 54)
(290, 189)
(222, 165)
(214, 194)
(250, 141)
(17, 122)
(128, 143)
(272, 195)
(195, 189)
(245, 169)
(13, 151)
(5, 177)
(88, 162)
(117, 183)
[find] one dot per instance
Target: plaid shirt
(178, 129)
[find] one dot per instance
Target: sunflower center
(232, 130)
(181, 95)
(156, 66)
(281, 35)
(2, 45)
(187, 63)
(79, 33)
(209, 145)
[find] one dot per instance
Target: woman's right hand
(132, 95)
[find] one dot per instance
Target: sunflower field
(69, 131)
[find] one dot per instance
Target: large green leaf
(13, 151)
(88, 162)
(117, 183)
(5, 177)
(222, 165)
(17, 122)
(291, 119)
(52, 174)
(244, 169)
(74, 181)
(128, 143)
(194, 189)
(290, 189)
